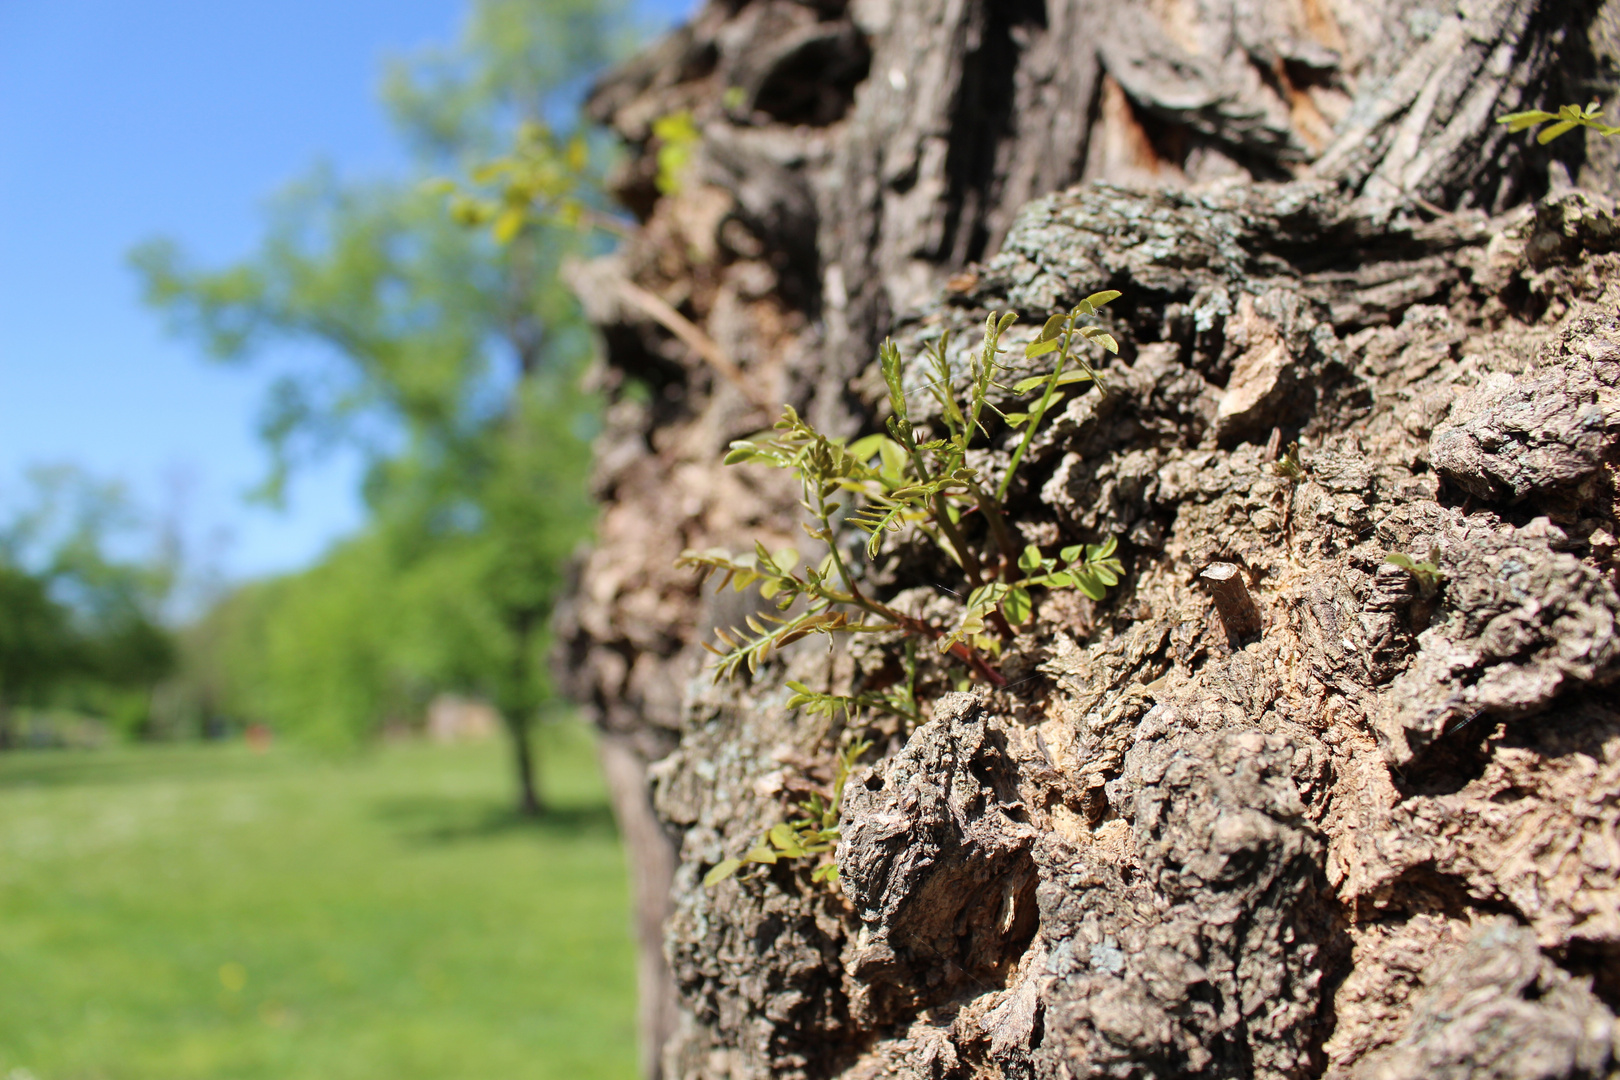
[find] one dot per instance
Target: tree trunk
(521, 731)
(518, 705)
(1366, 828)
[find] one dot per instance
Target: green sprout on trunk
(816, 833)
(916, 479)
(1428, 575)
(1566, 119)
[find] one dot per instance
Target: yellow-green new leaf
(1556, 130)
(508, 224)
(863, 448)
(1016, 606)
(1519, 121)
(1087, 582)
(720, 871)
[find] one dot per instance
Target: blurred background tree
(82, 591)
(452, 362)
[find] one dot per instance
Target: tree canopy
(451, 362)
(82, 591)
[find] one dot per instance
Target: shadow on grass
(447, 819)
(127, 765)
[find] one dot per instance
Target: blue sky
(121, 120)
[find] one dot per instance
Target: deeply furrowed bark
(1376, 837)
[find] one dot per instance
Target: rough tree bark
(1373, 832)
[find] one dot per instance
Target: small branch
(961, 650)
(965, 555)
(608, 224)
(693, 337)
(1000, 531)
(1238, 612)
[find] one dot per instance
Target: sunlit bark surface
(1376, 838)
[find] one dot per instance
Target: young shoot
(915, 477)
(1566, 119)
(1060, 335)
(1426, 575)
(816, 833)
(897, 699)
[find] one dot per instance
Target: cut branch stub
(1239, 614)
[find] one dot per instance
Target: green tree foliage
(80, 603)
(451, 361)
(36, 640)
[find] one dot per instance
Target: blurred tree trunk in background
(1311, 213)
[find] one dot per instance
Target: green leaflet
(722, 870)
(1016, 605)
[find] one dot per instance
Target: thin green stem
(1004, 536)
(965, 556)
(832, 547)
(1035, 418)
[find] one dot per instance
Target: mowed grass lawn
(212, 912)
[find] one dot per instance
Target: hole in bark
(629, 350)
(1519, 299)
(1426, 889)
(1598, 961)
(769, 929)
(815, 82)
(1451, 762)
